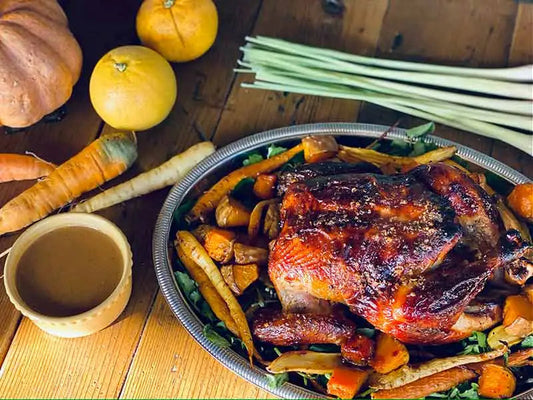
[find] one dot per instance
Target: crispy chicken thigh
(406, 252)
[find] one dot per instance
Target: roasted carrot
(210, 199)
(18, 167)
(521, 200)
(345, 382)
(496, 382)
(423, 387)
(192, 249)
(390, 354)
(208, 291)
(517, 306)
(168, 173)
(265, 186)
(104, 159)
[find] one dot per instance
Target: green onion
(484, 101)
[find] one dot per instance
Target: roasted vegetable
(390, 354)
(310, 362)
(239, 277)
(496, 382)
(319, 148)
(208, 291)
(408, 373)
(254, 224)
(210, 199)
(517, 306)
(217, 242)
(521, 200)
(265, 186)
(528, 292)
(346, 382)
(272, 218)
(191, 248)
(355, 154)
(231, 213)
(423, 387)
(249, 254)
(499, 338)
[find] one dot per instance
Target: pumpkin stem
(168, 3)
(121, 67)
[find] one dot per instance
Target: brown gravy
(68, 271)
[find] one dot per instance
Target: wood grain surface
(147, 353)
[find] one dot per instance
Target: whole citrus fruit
(133, 88)
(179, 30)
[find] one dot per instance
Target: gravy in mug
(68, 271)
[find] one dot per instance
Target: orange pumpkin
(179, 30)
(42, 63)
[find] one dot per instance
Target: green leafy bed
(260, 295)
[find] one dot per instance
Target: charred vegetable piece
(231, 213)
(207, 289)
(310, 362)
(191, 248)
(272, 218)
(210, 199)
(496, 382)
(217, 242)
(249, 254)
(517, 306)
(390, 354)
(423, 387)
(265, 186)
(355, 154)
(521, 200)
(319, 148)
(239, 277)
(346, 382)
(408, 373)
(499, 338)
(254, 224)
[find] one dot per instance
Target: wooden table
(147, 353)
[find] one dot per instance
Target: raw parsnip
(166, 174)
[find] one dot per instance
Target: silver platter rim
(161, 240)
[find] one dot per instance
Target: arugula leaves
(190, 289)
(475, 344)
(255, 156)
(274, 150)
(214, 337)
(252, 158)
(527, 342)
(276, 380)
(181, 211)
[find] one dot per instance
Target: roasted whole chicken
(409, 253)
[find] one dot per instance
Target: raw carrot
(18, 167)
(104, 159)
(345, 382)
(166, 174)
(210, 199)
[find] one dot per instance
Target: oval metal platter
(215, 166)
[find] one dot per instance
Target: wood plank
(521, 52)
(97, 366)
(55, 142)
(468, 33)
(156, 371)
(357, 30)
(169, 363)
